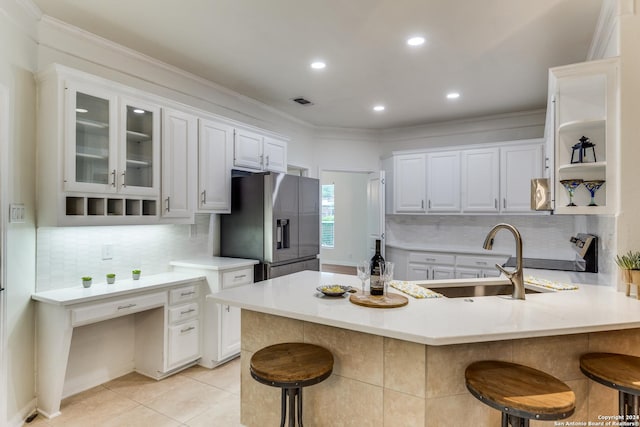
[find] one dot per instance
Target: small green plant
(135, 271)
(111, 275)
(86, 278)
(628, 261)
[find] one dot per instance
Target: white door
(215, 147)
(375, 211)
(179, 139)
(519, 165)
(4, 141)
(409, 183)
(480, 180)
(443, 182)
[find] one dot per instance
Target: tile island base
(381, 381)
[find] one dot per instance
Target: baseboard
(18, 419)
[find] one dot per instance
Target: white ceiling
(496, 53)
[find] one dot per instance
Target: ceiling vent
(302, 101)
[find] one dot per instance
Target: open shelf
(594, 167)
(585, 125)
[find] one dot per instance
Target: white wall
(350, 218)
(17, 62)
(628, 229)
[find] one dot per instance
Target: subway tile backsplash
(65, 254)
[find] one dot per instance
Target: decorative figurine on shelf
(581, 149)
(593, 186)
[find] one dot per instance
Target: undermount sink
(477, 290)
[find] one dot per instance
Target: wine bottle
(377, 285)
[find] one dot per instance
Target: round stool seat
(619, 371)
(520, 391)
(291, 364)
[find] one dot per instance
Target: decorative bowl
(333, 290)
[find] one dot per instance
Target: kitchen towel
(413, 289)
(549, 284)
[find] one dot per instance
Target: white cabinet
(113, 142)
(519, 164)
(480, 180)
(253, 150)
(215, 154)
(475, 266)
(221, 327)
(409, 183)
(179, 139)
(430, 266)
(586, 99)
(443, 181)
(183, 335)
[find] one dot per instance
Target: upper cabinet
(215, 154)
(109, 154)
(409, 183)
(585, 99)
(492, 179)
(255, 151)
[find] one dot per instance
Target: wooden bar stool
(618, 371)
(291, 366)
(521, 393)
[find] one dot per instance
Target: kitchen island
(405, 366)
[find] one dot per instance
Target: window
(328, 210)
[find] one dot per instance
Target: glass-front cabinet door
(89, 135)
(139, 149)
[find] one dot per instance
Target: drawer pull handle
(190, 328)
(481, 262)
(240, 277)
(191, 310)
(430, 259)
(186, 294)
(124, 307)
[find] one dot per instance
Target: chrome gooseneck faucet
(515, 276)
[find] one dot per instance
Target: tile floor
(194, 397)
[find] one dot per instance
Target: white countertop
(97, 291)
(441, 321)
(214, 263)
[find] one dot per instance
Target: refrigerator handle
(282, 234)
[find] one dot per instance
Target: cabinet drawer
(121, 307)
(183, 312)
(479, 261)
(234, 278)
(431, 258)
(184, 343)
(185, 293)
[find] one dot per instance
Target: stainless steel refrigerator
(275, 218)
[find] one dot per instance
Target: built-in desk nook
(167, 309)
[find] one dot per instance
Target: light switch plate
(107, 251)
(16, 212)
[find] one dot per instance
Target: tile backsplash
(544, 236)
(65, 254)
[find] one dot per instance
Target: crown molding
(31, 8)
(102, 42)
(606, 28)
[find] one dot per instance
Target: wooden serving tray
(391, 300)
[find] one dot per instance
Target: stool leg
(505, 420)
(292, 407)
(283, 407)
(622, 403)
(299, 390)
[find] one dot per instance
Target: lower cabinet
(183, 343)
(221, 326)
(430, 266)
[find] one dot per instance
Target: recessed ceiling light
(139, 111)
(81, 110)
(453, 95)
(378, 108)
(415, 41)
(318, 65)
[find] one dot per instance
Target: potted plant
(135, 274)
(629, 265)
(86, 281)
(111, 278)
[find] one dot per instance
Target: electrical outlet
(107, 251)
(16, 212)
